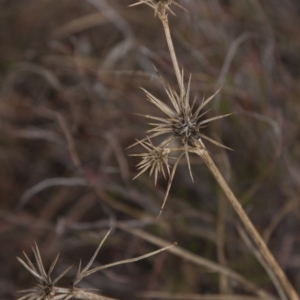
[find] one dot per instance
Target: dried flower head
(184, 121)
(156, 159)
(161, 7)
(46, 288)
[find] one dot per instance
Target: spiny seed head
(186, 128)
(155, 160)
(182, 121)
(45, 289)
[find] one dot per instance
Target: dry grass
(70, 73)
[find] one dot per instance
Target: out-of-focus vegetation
(70, 73)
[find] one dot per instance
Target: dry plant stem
(165, 23)
(70, 140)
(82, 294)
(130, 211)
(46, 287)
(197, 260)
(220, 241)
(259, 257)
(266, 254)
(287, 208)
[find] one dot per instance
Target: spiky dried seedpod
(156, 159)
(183, 121)
(46, 288)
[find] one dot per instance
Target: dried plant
(156, 159)
(46, 288)
(183, 122)
(161, 7)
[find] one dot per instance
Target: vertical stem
(165, 23)
(267, 255)
(220, 243)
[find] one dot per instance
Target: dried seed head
(45, 289)
(156, 159)
(183, 121)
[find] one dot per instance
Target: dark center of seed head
(185, 128)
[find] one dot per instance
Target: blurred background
(70, 73)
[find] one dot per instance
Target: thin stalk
(82, 294)
(259, 257)
(220, 243)
(265, 252)
(165, 23)
(198, 260)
